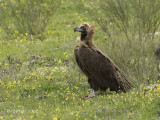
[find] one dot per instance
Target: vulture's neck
(86, 40)
(83, 36)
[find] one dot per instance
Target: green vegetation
(39, 78)
(26, 16)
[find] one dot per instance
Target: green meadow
(40, 80)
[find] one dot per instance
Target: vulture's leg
(93, 89)
(91, 95)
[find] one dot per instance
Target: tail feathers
(124, 84)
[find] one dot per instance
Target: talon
(91, 95)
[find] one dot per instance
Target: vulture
(101, 71)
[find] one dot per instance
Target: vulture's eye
(83, 28)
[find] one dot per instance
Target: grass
(39, 78)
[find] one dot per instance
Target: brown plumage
(101, 71)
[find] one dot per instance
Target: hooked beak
(78, 29)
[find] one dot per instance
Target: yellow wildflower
(55, 118)
(26, 34)
(66, 98)
(81, 19)
(59, 62)
(31, 116)
(1, 117)
(14, 82)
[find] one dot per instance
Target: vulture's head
(85, 29)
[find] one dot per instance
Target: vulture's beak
(78, 29)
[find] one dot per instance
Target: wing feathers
(100, 69)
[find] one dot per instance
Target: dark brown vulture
(101, 71)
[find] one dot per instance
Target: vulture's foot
(91, 95)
